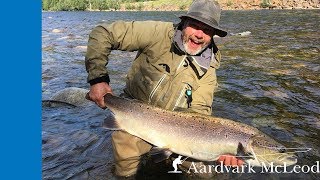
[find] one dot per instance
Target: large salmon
(194, 135)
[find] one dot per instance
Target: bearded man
(175, 68)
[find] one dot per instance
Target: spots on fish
(217, 132)
(260, 141)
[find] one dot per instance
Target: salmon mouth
(288, 158)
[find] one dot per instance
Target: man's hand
(229, 160)
(97, 93)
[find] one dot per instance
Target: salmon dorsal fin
(184, 110)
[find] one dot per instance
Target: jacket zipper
(181, 63)
(156, 87)
(184, 87)
(180, 96)
(162, 78)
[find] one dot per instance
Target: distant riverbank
(165, 5)
(174, 5)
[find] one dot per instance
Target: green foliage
(46, 4)
(73, 5)
(101, 5)
(64, 5)
(132, 1)
(49, 4)
(114, 4)
(229, 3)
(182, 7)
(130, 6)
(265, 4)
(140, 6)
(98, 5)
(79, 5)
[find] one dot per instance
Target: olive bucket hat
(208, 12)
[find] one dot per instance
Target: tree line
(81, 5)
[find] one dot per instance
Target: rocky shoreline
(227, 5)
(270, 4)
(183, 5)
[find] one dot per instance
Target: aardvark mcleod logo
(260, 166)
(175, 164)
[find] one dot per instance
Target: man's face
(196, 36)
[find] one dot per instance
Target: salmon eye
(282, 150)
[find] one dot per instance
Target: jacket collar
(201, 61)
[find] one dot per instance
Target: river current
(268, 78)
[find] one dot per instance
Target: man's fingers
(234, 161)
(240, 162)
(227, 161)
(88, 97)
(221, 158)
(101, 103)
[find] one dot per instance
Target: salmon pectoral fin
(111, 123)
(159, 154)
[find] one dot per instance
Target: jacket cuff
(99, 80)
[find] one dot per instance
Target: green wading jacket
(161, 73)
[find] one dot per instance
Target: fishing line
(260, 155)
(303, 150)
(254, 155)
(184, 159)
(213, 159)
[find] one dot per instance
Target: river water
(269, 79)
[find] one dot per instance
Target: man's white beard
(194, 52)
(185, 41)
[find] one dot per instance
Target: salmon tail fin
(111, 123)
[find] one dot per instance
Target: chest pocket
(171, 90)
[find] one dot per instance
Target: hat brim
(219, 31)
